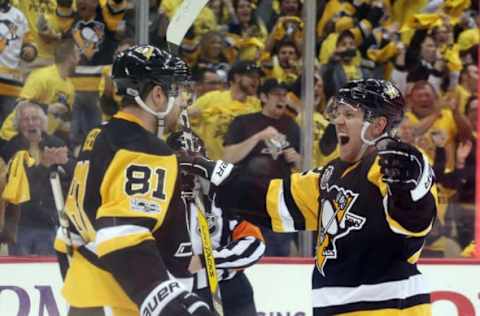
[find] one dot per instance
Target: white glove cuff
(425, 183)
(160, 296)
(221, 171)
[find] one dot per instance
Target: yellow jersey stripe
(273, 194)
(414, 258)
(111, 239)
(307, 202)
(399, 229)
(128, 117)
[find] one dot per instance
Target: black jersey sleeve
(284, 205)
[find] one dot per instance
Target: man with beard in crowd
(212, 113)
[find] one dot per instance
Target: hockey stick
(176, 30)
(184, 17)
(59, 205)
(209, 260)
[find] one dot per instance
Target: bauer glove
(404, 168)
(215, 171)
(169, 298)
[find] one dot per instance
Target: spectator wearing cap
(212, 113)
(266, 144)
(207, 79)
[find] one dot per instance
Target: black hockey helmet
(136, 67)
(4, 5)
(376, 98)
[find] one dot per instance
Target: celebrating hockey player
(372, 207)
(129, 226)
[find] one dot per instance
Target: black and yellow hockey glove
(404, 168)
(215, 171)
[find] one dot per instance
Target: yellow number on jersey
(74, 203)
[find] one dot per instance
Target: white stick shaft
(183, 19)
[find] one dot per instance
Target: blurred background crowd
(247, 60)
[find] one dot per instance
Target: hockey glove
(404, 168)
(215, 171)
(170, 298)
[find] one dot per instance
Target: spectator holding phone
(267, 144)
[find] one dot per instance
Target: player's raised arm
(280, 204)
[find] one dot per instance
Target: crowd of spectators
(247, 59)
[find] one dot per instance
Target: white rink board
(284, 290)
(36, 285)
(280, 289)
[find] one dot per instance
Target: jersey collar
(128, 117)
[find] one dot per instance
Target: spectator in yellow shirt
(213, 112)
(284, 65)
(50, 87)
(37, 12)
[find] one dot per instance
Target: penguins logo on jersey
(8, 32)
(89, 36)
(335, 221)
(145, 51)
(327, 174)
(275, 146)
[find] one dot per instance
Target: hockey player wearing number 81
(372, 208)
(127, 218)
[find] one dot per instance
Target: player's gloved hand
(215, 171)
(170, 298)
(404, 168)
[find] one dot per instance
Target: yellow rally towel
(17, 189)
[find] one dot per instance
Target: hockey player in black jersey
(128, 224)
(372, 207)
